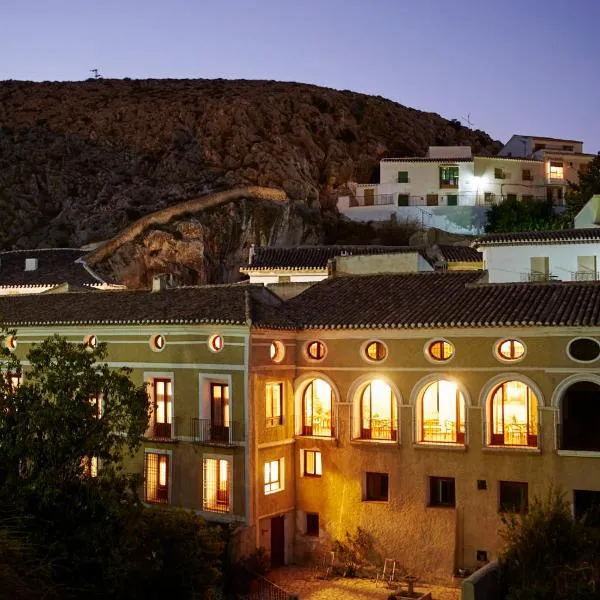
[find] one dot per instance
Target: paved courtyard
(302, 581)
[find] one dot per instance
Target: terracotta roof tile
(558, 236)
(459, 254)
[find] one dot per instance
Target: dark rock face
(80, 161)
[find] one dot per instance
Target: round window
(11, 343)
(375, 351)
(315, 350)
(510, 350)
(91, 341)
(277, 351)
(584, 349)
(440, 350)
(216, 343)
(157, 342)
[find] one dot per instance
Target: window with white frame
(216, 496)
(274, 476)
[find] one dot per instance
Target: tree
(516, 215)
(588, 185)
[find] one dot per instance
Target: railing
(317, 426)
(379, 429)
(205, 431)
(585, 276)
(252, 586)
(470, 199)
(538, 277)
(160, 431)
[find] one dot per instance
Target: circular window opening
(216, 343)
(315, 350)
(11, 343)
(511, 350)
(440, 350)
(158, 342)
(277, 351)
(375, 351)
(584, 349)
(91, 341)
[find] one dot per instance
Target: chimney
(31, 264)
(159, 282)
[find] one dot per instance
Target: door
(277, 541)
(369, 196)
(452, 200)
(432, 199)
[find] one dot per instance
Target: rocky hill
(79, 161)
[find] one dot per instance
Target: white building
(589, 215)
(452, 190)
(565, 255)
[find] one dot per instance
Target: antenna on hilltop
(468, 120)
(96, 74)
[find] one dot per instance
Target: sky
(515, 66)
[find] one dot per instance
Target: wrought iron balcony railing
(585, 276)
(204, 431)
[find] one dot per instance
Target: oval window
(511, 349)
(216, 343)
(91, 341)
(315, 350)
(157, 342)
(11, 343)
(584, 349)
(277, 351)
(375, 351)
(440, 350)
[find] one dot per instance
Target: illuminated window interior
(14, 380)
(315, 350)
(273, 404)
(273, 476)
(555, 170)
(216, 492)
(449, 177)
(216, 343)
(163, 407)
(511, 349)
(156, 478)
(312, 463)
(317, 409)
(376, 351)
(514, 415)
(378, 412)
(441, 350)
(219, 412)
(277, 351)
(442, 414)
(89, 465)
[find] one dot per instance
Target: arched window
(441, 415)
(378, 412)
(513, 415)
(317, 409)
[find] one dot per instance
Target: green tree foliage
(515, 215)
(579, 193)
(86, 536)
(549, 555)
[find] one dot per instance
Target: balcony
(203, 431)
(537, 277)
(380, 429)
(318, 426)
(585, 276)
(160, 432)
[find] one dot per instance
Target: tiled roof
(459, 254)
(312, 257)
(450, 159)
(232, 304)
(559, 236)
(451, 299)
(55, 266)
(548, 139)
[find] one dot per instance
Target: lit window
(555, 170)
(442, 414)
(14, 380)
(11, 343)
(378, 412)
(440, 350)
(91, 341)
(317, 409)
(448, 177)
(375, 351)
(277, 351)
(89, 465)
(162, 406)
(273, 396)
(511, 349)
(273, 476)
(157, 342)
(156, 475)
(216, 343)
(312, 463)
(442, 492)
(216, 495)
(219, 412)
(513, 415)
(513, 496)
(315, 350)
(499, 173)
(377, 487)
(96, 404)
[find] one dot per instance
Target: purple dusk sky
(514, 66)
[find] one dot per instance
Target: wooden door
(277, 541)
(432, 199)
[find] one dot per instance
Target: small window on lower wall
(442, 491)
(587, 507)
(312, 463)
(376, 487)
(312, 524)
(156, 477)
(513, 496)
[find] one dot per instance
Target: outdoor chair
(387, 573)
